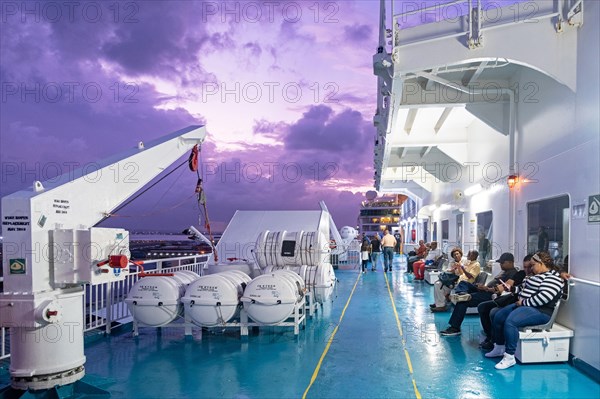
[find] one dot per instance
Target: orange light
(512, 181)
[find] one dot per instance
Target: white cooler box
(544, 346)
(431, 276)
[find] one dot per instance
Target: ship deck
(377, 339)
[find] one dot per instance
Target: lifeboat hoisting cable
(201, 195)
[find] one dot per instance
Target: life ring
(193, 159)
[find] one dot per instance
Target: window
(484, 236)
(445, 229)
(434, 238)
(548, 228)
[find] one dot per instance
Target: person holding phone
(482, 294)
(466, 271)
(488, 308)
(537, 298)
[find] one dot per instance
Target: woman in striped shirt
(539, 293)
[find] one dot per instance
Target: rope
(204, 211)
(156, 211)
(107, 215)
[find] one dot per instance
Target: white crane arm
(79, 200)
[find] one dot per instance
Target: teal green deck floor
(367, 358)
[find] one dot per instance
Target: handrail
(433, 7)
(501, 25)
(469, 31)
(433, 39)
(583, 281)
(103, 303)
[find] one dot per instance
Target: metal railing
(104, 303)
(351, 256)
(469, 18)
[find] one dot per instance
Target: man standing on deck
(388, 242)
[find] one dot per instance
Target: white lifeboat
(155, 301)
(214, 299)
(319, 280)
(270, 299)
(242, 265)
(283, 248)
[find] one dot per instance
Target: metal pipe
(470, 16)
(479, 17)
(541, 17)
(382, 23)
(394, 24)
(582, 281)
(512, 208)
(432, 40)
(437, 5)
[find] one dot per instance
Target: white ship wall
(559, 133)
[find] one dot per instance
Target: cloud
(357, 33)
(164, 41)
(220, 41)
(253, 49)
(39, 133)
(286, 155)
(269, 129)
(320, 130)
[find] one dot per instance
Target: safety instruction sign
(594, 209)
(17, 266)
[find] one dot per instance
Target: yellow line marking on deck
(330, 340)
(410, 369)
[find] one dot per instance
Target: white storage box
(431, 276)
(544, 346)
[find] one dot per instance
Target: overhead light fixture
(474, 189)
(512, 181)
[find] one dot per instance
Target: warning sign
(594, 209)
(17, 266)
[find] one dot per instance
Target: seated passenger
(537, 298)
(483, 293)
(419, 253)
(433, 255)
(488, 308)
(466, 272)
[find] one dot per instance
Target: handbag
(448, 279)
(505, 300)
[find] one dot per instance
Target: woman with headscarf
(537, 298)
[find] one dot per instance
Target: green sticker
(594, 208)
(17, 266)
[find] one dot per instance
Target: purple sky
(285, 89)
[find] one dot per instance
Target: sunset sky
(285, 89)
